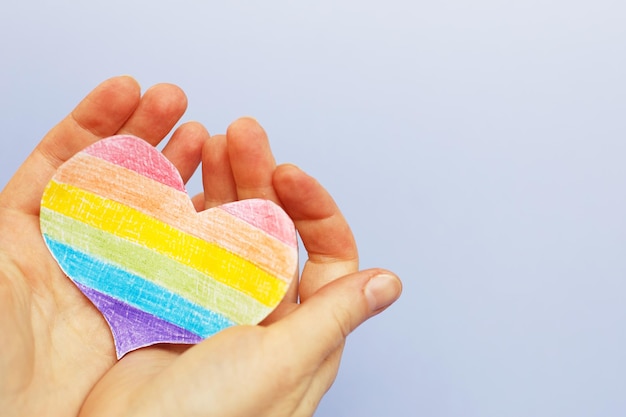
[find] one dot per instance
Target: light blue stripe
(136, 291)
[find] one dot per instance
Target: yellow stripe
(174, 207)
(135, 226)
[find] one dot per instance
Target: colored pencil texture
(118, 221)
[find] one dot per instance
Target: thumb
(324, 320)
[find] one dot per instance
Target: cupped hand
(55, 345)
(63, 354)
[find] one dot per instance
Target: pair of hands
(57, 356)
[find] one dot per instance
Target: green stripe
(161, 270)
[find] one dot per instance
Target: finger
(184, 149)
(329, 242)
(324, 231)
(220, 186)
(253, 166)
(100, 114)
(217, 176)
(198, 202)
(323, 322)
(251, 160)
(159, 110)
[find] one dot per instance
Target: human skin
(57, 354)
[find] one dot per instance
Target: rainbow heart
(120, 224)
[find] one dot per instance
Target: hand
(55, 345)
(280, 368)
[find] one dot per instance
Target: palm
(61, 332)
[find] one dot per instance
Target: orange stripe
(175, 208)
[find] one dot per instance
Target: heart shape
(118, 220)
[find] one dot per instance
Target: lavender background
(477, 149)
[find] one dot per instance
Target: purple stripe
(133, 328)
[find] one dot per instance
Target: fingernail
(382, 290)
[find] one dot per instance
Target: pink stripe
(137, 155)
(267, 217)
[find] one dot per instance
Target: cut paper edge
(142, 313)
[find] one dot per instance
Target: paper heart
(119, 222)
